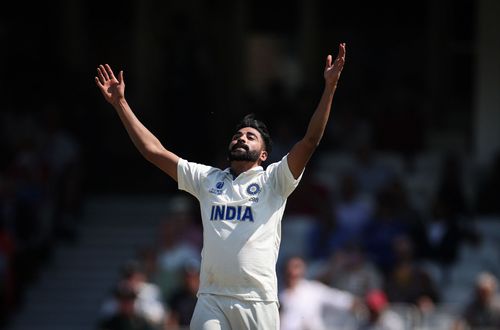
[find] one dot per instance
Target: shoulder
(314, 285)
(271, 167)
(150, 290)
(207, 169)
(279, 168)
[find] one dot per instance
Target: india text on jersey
(225, 212)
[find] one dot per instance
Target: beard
(235, 154)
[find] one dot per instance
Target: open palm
(112, 88)
(333, 70)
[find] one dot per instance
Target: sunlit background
(406, 181)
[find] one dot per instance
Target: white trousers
(213, 312)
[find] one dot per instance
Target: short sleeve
(190, 176)
(336, 298)
(282, 178)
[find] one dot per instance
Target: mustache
(239, 145)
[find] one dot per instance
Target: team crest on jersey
(253, 189)
(218, 188)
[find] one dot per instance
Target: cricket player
(241, 206)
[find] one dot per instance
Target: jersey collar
(248, 172)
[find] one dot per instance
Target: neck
(238, 166)
(292, 283)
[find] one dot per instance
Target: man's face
(247, 145)
(295, 269)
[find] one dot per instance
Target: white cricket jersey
(241, 226)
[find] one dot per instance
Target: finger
(339, 60)
(341, 50)
(104, 73)
(328, 61)
(101, 76)
(109, 71)
(98, 83)
(120, 77)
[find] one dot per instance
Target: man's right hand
(112, 89)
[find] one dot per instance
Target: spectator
(352, 211)
(62, 156)
(28, 189)
(379, 316)
(408, 282)
(22, 204)
(410, 217)
(126, 316)
(450, 190)
(148, 256)
(174, 251)
(380, 234)
(444, 236)
(484, 309)
(349, 270)
(302, 301)
(184, 299)
(147, 301)
(27, 173)
(309, 214)
(448, 227)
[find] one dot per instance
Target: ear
(263, 156)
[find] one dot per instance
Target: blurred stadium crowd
(40, 198)
(382, 228)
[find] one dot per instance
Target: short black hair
(250, 121)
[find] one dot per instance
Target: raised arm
(302, 151)
(113, 90)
